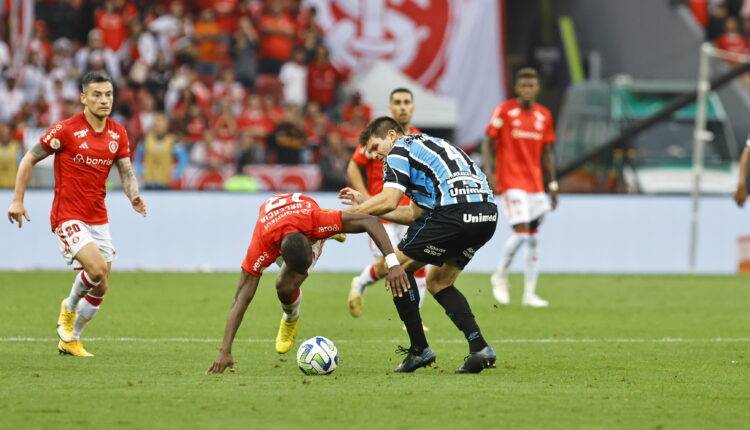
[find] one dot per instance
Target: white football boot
(534, 301)
(500, 287)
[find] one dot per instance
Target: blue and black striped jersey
(434, 173)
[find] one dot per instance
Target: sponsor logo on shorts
(434, 250)
(469, 253)
(480, 217)
(81, 133)
(328, 228)
(113, 145)
(90, 161)
(259, 262)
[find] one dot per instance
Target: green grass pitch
(612, 352)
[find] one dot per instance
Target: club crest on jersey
(113, 135)
(55, 144)
(113, 145)
(81, 133)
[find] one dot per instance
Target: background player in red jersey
(85, 146)
(401, 104)
(519, 143)
(294, 227)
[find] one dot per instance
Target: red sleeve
(326, 223)
(549, 133)
(52, 139)
(496, 122)
(124, 147)
(258, 256)
(359, 157)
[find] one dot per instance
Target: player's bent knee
(97, 272)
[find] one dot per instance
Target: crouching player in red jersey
(293, 226)
(85, 146)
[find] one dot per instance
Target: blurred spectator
(333, 163)
(196, 124)
(207, 37)
(210, 152)
(63, 19)
(293, 76)
(143, 118)
(322, 79)
(33, 75)
(277, 38)
(718, 12)
(251, 151)
(317, 124)
(254, 120)
(12, 98)
(11, 151)
(112, 25)
(356, 110)
(288, 138)
(171, 27)
(225, 124)
(4, 55)
(731, 40)
(95, 50)
(160, 159)
(229, 89)
(158, 79)
(245, 53)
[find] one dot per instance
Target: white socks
(81, 285)
(532, 266)
(291, 310)
(86, 309)
(422, 287)
(512, 245)
(368, 276)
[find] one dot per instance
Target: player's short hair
(296, 251)
(401, 90)
(95, 76)
(379, 127)
(527, 73)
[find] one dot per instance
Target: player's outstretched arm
(550, 173)
(17, 212)
(130, 185)
(403, 214)
(741, 194)
(383, 202)
(242, 298)
(396, 279)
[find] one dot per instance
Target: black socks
(459, 311)
(408, 310)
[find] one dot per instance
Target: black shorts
(451, 233)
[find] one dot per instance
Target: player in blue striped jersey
(452, 215)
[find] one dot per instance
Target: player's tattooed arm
(130, 185)
(17, 212)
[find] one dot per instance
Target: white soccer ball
(317, 356)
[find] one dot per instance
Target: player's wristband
(391, 260)
(553, 186)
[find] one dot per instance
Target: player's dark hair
(95, 76)
(527, 73)
(401, 90)
(379, 127)
(296, 251)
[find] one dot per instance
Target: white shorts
(395, 232)
(521, 207)
(73, 235)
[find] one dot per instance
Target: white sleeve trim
(395, 185)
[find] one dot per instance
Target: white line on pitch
(9, 339)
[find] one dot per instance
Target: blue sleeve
(396, 167)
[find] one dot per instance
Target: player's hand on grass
(396, 281)
(139, 205)
(351, 197)
(223, 361)
(739, 196)
(17, 212)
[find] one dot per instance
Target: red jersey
(283, 214)
(374, 170)
(83, 159)
(520, 135)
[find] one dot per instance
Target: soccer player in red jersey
(519, 142)
(85, 146)
(401, 104)
(293, 226)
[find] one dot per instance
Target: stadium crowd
(207, 86)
